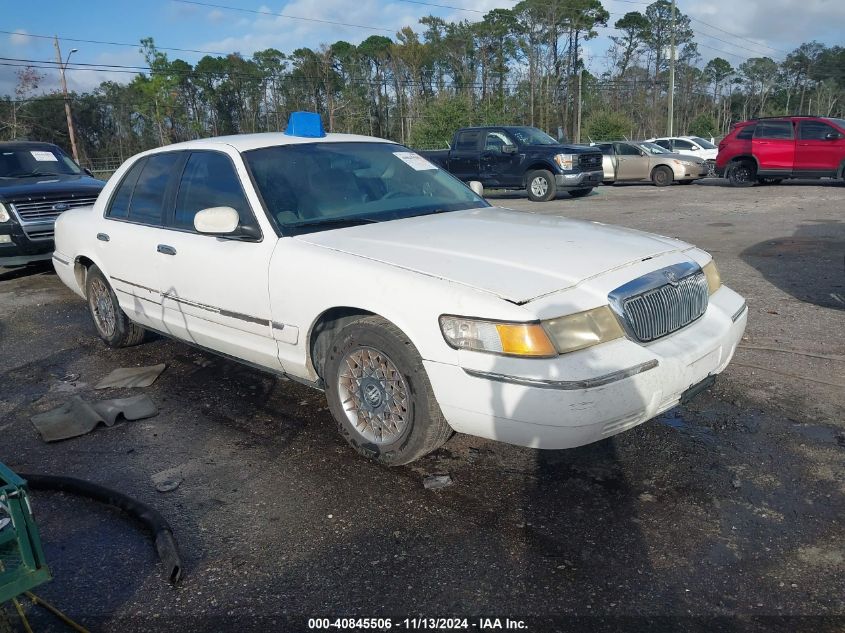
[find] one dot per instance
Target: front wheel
(743, 174)
(112, 324)
(380, 395)
(580, 193)
(541, 185)
(662, 176)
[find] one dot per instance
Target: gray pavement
(726, 514)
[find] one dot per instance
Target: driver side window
(624, 149)
(209, 180)
(496, 141)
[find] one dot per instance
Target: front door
(774, 145)
(497, 166)
(820, 148)
(215, 289)
(128, 238)
(630, 162)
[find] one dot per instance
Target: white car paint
(702, 152)
(258, 301)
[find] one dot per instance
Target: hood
(50, 186)
(515, 255)
(562, 148)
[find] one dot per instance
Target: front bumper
(21, 250)
(691, 172)
(580, 180)
(586, 396)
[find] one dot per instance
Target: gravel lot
(727, 514)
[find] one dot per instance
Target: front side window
(147, 203)
(703, 143)
(653, 148)
(36, 160)
(313, 185)
(625, 149)
(606, 149)
(681, 144)
(496, 141)
(814, 130)
(774, 130)
(209, 180)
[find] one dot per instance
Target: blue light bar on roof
(307, 124)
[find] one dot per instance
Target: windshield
(331, 184)
(653, 148)
(705, 144)
(44, 161)
(532, 136)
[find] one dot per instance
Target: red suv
(767, 150)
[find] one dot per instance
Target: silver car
(629, 161)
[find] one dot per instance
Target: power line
(138, 45)
(284, 15)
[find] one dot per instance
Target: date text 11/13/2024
(430, 624)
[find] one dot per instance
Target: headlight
(4, 213)
(714, 280)
(584, 329)
(510, 339)
(564, 161)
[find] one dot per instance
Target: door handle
(164, 249)
(103, 237)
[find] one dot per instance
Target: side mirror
(477, 187)
(217, 221)
(694, 149)
(509, 149)
(832, 136)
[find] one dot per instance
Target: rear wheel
(662, 176)
(111, 323)
(380, 395)
(580, 193)
(743, 174)
(541, 186)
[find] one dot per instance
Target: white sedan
(356, 266)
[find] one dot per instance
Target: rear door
(215, 289)
(630, 162)
(128, 240)
(464, 159)
(820, 148)
(774, 145)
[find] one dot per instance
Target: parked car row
(627, 161)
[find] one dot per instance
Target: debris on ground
(436, 482)
(168, 480)
(77, 417)
(736, 483)
(132, 377)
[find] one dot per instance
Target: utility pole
(670, 127)
(580, 101)
(71, 132)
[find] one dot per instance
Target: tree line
(523, 65)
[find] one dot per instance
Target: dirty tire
(122, 332)
(743, 174)
(580, 193)
(425, 428)
(541, 186)
(662, 176)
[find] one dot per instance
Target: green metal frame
(22, 564)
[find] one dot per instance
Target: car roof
(246, 142)
(25, 145)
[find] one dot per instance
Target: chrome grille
(666, 309)
(39, 233)
(44, 209)
(589, 162)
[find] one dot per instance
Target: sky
(733, 29)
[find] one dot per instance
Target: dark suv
(768, 150)
(38, 181)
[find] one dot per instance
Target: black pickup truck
(38, 181)
(515, 157)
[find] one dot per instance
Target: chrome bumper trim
(739, 312)
(567, 385)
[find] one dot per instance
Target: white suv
(689, 145)
(356, 266)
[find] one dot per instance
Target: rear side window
(814, 130)
(746, 133)
(150, 191)
(209, 180)
(467, 140)
(774, 130)
(119, 207)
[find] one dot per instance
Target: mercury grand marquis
(356, 266)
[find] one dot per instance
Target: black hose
(165, 544)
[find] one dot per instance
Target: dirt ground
(726, 514)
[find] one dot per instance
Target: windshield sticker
(414, 160)
(44, 157)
